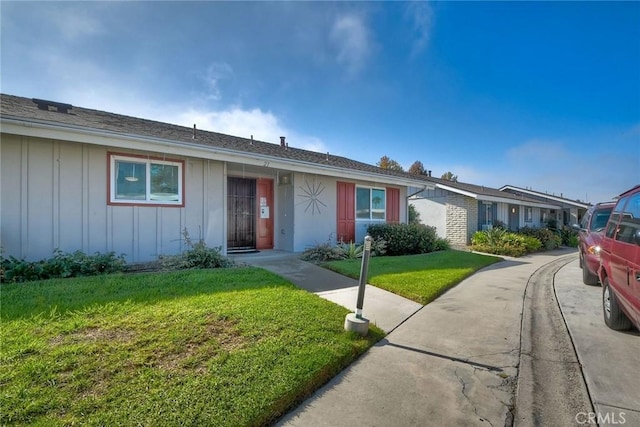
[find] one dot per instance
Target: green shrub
(407, 239)
(414, 215)
(442, 245)
(378, 246)
(61, 265)
(350, 250)
(321, 252)
(569, 237)
(531, 243)
(548, 238)
(197, 255)
(499, 224)
(324, 252)
(501, 242)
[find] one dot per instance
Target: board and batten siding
(54, 196)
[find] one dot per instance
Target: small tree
(414, 215)
(417, 168)
(387, 163)
(449, 176)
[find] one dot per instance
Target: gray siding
(54, 196)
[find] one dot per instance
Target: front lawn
(421, 278)
(224, 347)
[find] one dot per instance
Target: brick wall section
(472, 218)
(456, 219)
(462, 219)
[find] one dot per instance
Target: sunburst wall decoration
(311, 194)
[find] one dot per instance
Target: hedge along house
(569, 211)
(457, 210)
(80, 179)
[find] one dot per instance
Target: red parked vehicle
(620, 263)
(590, 231)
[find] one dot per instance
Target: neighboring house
(457, 210)
(569, 211)
(80, 179)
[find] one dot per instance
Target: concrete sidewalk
(452, 362)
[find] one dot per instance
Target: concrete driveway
(610, 360)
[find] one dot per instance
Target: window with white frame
(370, 203)
(145, 181)
(528, 214)
(488, 214)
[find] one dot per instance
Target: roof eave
(65, 132)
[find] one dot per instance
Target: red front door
(265, 213)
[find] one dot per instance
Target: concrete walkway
(452, 362)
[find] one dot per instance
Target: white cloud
(215, 73)
(538, 149)
(264, 126)
(420, 16)
(351, 39)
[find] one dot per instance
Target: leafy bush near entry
(548, 238)
(572, 240)
(569, 237)
(60, 266)
(350, 250)
(197, 255)
(324, 252)
(406, 239)
(502, 242)
(321, 252)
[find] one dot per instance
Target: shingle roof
(26, 108)
(540, 195)
(481, 190)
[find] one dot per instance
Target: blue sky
(535, 94)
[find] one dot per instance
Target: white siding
(314, 225)
(432, 212)
(314, 221)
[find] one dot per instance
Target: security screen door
(241, 213)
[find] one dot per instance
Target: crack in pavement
(464, 393)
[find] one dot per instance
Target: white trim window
(488, 213)
(145, 181)
(371, 203)
(528, 214)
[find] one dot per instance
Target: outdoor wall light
(285, 179)
(513, 210)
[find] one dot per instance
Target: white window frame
(149, 198)
(371, 210)
(488, 213)
(528, 214)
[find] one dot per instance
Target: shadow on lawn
(23, 300)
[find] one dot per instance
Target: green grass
(421, 278)
(228, 347)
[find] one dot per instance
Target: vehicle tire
(581, 257)
(614, 317)
(588, 278)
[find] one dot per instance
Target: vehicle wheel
(580, 257)
(613, 316)
(588, 278)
